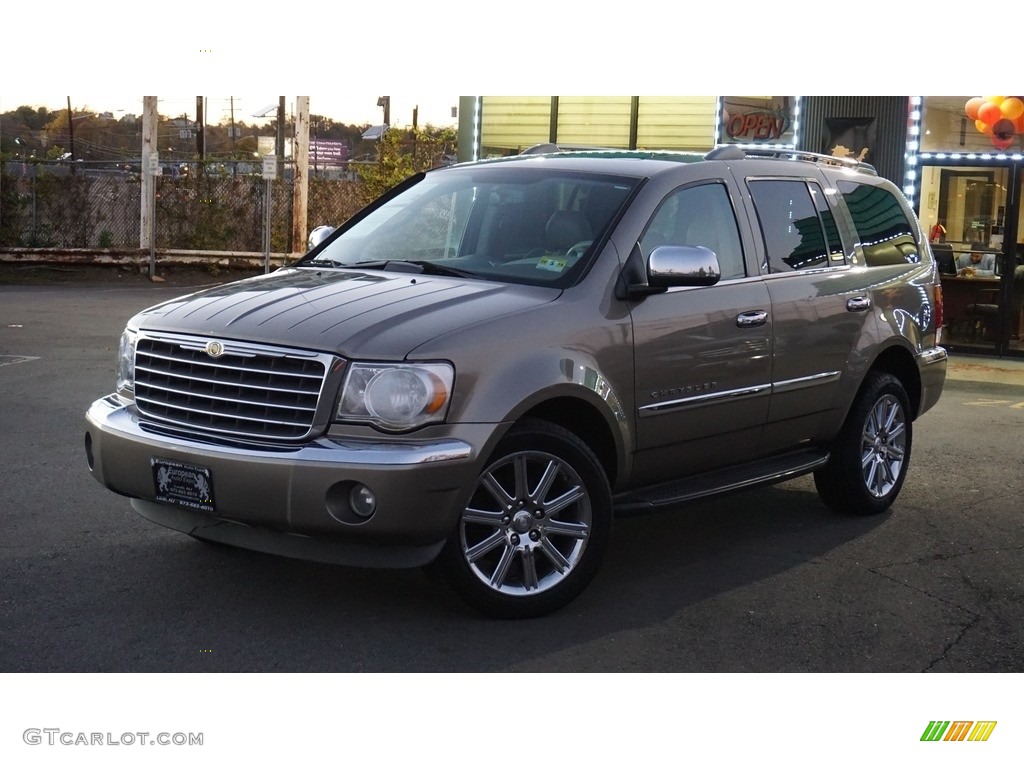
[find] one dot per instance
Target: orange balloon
(1018, 124)
(983, 127)
(997, 100)
(989, 112)
(972, 106)
(1012, 108)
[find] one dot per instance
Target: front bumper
(294, 501)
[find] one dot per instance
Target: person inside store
(976, 264)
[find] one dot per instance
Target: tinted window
(884, 232)
(793, 234)
(700, 215)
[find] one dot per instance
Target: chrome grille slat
(238, 400)
(199, 379)
(251, 391)
(213, 365)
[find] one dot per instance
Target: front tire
(871, 455)
(536, 527)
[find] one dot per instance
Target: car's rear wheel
(871, 455)
(536, 527)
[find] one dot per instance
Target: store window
(965, 206)
(972, 123)
(594, 121)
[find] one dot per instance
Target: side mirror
(318, 235)
(669, 266)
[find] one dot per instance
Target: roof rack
(735, 152)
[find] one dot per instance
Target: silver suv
(486, 365)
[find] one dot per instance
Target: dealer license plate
(184, 484)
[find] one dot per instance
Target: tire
(871, 454)
(536, 526)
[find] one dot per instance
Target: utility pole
(300, 180)
(200, 132)
(149, 147)
(280, 137)
(71, 134)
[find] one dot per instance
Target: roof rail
(541, 149)
(736, 152)
(548, 148)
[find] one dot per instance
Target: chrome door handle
(751, 319)
(858, 303)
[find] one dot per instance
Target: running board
(765, 472)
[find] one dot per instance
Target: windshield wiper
(323, 261)
(418, 267)
(437, 268)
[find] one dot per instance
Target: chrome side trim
(685, 402)
(804, 382)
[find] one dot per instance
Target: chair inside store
(983, 316)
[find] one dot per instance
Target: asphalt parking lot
(763, 581)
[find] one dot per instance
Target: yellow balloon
(983, 127)
(1012, 108)
(997, 100)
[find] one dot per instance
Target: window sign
(758, 120)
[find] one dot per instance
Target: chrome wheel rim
(884, 444)
(526, 527)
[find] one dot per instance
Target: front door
(703, 355)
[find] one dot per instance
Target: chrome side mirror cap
(318, 235)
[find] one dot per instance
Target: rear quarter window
(884, 232)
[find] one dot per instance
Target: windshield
(533, 225)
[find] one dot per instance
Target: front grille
(250, 391)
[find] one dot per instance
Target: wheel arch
(899, 362)
(588, 423)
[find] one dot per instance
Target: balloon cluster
(1000, 117)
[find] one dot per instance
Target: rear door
(821, 308)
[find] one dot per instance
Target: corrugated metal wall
(890, 113)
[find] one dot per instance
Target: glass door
(972, 215)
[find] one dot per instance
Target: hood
(352, 313)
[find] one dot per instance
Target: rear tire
(871, 454)
(536, 527)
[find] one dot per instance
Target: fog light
(363, 501)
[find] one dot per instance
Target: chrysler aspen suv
(480, 370)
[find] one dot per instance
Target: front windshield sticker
(552, 263)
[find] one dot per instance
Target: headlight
(126, 361)
(396, 397)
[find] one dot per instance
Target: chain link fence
(219, 207)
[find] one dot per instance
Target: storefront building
(958, 159)
(964, 175)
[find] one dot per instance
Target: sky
(434, 54)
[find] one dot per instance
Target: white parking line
(12, 359)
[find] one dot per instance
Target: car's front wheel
(536, 527)
(871, 455)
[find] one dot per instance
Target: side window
(885, 233)
(700, 215)
(793, 233)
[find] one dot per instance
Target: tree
(402, 153)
